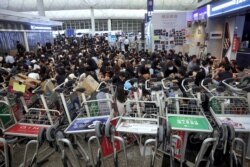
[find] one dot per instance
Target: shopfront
(228, 27)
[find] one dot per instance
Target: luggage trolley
(95, 111)
(237, 88)
(32, 124)
(154, 85)
(186, 115)
(70, 102)
(233, 110)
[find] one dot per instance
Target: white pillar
(92, 20)
(109, 25)
(40, 7)
(26, 41)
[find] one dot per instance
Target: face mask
(171, 68)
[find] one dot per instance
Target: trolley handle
(187, 80)
(99, 86)
(164, 80)
(147, 82)
(58, 87)
(227, 82)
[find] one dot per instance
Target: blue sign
(219, 8)
(85, 125)
(150, 5)
(70, 32)
(200, 14)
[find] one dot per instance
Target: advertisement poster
(169, 30)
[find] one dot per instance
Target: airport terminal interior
(132, 83)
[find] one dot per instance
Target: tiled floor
(134, 158)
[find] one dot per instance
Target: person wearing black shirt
(221, 74)
(170, 69)
(20, 47)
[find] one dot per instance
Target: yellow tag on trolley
(19, 87)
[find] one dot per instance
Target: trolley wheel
(50, 134)
(59, 135)
(160, 134)
(41, 136)
(99, 129)
(108, 129)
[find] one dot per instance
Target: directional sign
(26, 130)
(189, 123)
(85, 125)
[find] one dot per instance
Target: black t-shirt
(167, 72)
(144, 70)
(91, 65)
(225, 75)
(60, 79)
(200, 76)
(48, 45)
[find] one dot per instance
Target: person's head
(170, 65)
(205, 63)
(122, 76)
(227, 67)
(182, 73)
(194, 58)
(17, 42)
(225, 60)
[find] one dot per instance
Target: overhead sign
(219, 8)
(32, 27)
(200, 14)
(150, 5)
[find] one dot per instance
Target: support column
(26, 41)
(109, 25)
(92, 20)
(40, 7)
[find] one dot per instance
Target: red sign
(107, 148)
(236, 44)
(23, 130)
(178, 144)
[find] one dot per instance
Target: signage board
(189, 123)
(85, 125)
(222, 7)
(22, 129)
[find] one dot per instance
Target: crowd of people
(68, 58)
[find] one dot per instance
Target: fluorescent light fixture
(241, 7)
(39, 28)
(224, 5)
(227, 4)
(208, 10)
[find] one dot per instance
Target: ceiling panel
(56, 5)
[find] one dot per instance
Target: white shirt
(36, 67)
(9, 59)
(34, 75)
(126, 41)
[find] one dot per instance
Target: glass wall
(126, 26)
(41, 37)
(74, 24)
(101, 25)
(8, 40)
